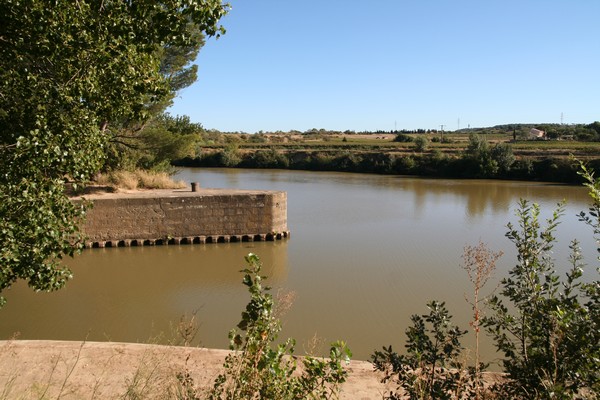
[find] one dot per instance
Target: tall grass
(139, 179)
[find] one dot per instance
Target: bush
(403, 138)
(421, 143)
(267, 159)
(256, 370)
(431, 369)
(229, 156)
(547, 329)
(550, 330)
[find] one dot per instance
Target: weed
(479, 262)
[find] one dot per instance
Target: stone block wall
(162, 217)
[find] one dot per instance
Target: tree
(503, 154)
(478, 152)
(68, 70)
(155, 145)
(133, 143)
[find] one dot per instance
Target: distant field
(448, 143)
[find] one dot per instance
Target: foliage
(67, 71)
(421, 143)
(403, 138)
(269, 159)
(478, 151)
(549, 333)
(548, 329)
(430, 369)
(229, 156)
(503, 154)
(139, 144)
(153, 147)
(256, 370)
(487, 161)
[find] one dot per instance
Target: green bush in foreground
(430, 369)
(549, 332)
(547, 328)
(257, 370)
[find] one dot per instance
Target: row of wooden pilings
(189, 240)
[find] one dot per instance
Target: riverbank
(34, 369)
(456, 155)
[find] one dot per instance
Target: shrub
(256, 370)
(421, 143)
(550, 330)
(430, 369)
(403, 138)
(268, 159)
(229, 156)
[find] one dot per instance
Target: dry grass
(139, 179)
(73, 371)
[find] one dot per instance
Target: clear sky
(405, 64)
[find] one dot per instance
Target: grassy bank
(432, 155)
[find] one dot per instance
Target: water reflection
(133, 294)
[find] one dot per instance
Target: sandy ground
(98, 370)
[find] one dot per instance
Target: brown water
(365, 253)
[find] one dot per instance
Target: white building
(536, 134)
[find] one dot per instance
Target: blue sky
(405, 64)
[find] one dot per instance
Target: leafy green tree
(488, 161)
(162, 140)
(269, 159)
(68, 71)
(478, 152)
(138, 144)
(503, 155)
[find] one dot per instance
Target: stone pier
(173, 217)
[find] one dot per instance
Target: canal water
(366, 252)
